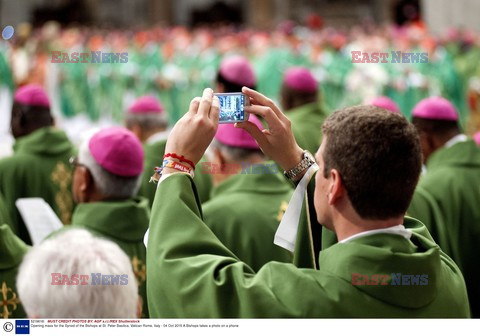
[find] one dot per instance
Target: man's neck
(352, 224)
(147, 135)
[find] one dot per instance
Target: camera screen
(231, 107)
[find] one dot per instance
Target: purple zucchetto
(436, 108)
(32, 95)
(300, 79)
(386, 103)
(118, 151)
(238, 70)
(228, 135)
(146, 105)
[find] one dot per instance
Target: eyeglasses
(74, 162)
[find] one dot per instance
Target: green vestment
(38, 168)
(123, 222)
(4, 215)
(307, 123)
(447, 200)
(12, 250)
(244, 213)
(192, 274)
(153, 158)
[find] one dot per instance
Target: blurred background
(175, 47)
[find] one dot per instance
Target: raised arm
(190, 272)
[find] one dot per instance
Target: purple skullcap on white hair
(118, 151)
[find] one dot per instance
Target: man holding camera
(369, 163)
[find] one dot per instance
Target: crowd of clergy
(367, 189)
(175, 63)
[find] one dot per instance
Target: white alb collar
(397, 230)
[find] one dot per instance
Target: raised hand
(277, 141)
(193, 133)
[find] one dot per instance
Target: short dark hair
(441, 128)
(378, 156)
(28, 118)
(230, 86)
(292, 98)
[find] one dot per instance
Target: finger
(255, 132)
(194, 104)
(266, 132)
(260, 99)
(266, 113)
(215, 111)
(205, 103)
(253, 102)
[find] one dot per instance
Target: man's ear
(137, 130)
(16, 125)
(337, 188)
(86, 186)
(214, 155)
(222, 161)
(430, 144)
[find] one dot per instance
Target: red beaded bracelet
(179, 157)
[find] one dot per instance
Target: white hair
(236, 154)
(147, 121)
(77, 251)
(108, 184)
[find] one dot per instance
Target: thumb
(254, 131)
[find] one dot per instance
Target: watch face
(309, 155)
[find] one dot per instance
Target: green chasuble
(153, 158)
(203, 182)
(38, 168)
(4, 215)
(192, 274)
(123, 222)
(12, 250)
(307, 123)
(244, 213)
(447, 200)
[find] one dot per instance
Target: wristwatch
(307, 161)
